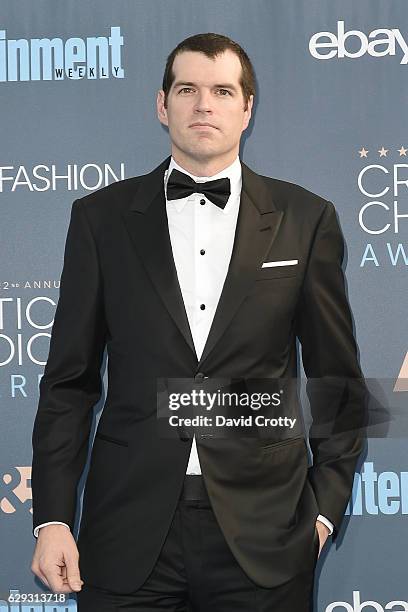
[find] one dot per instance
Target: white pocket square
(285, 262)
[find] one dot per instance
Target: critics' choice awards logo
(47, 59)
(374, 493)
(383, 216)
(19, 342)
(25, 333)
(382, 183)
(353, 44)
(360, 605)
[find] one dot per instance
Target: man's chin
(202, 154)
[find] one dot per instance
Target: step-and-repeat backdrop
(78, 85)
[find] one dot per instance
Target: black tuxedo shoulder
(115, 195)
(292, 196)
(103, 208)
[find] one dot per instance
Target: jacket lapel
(257, 225)
(146, 221)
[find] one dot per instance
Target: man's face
(205, 90)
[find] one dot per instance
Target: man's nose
(203, 101)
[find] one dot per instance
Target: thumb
(73, 576)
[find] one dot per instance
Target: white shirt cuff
(320, 518)
(326, 522)
(37, 529)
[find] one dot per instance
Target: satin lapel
(146, 221)
(257, 226)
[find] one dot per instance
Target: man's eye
(220, 89)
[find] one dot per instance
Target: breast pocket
(277, 267)
(285, 271)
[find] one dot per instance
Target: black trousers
(196, 572)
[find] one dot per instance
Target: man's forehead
(185, 62)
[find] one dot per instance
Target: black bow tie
(181, 185)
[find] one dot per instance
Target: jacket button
(199, 376)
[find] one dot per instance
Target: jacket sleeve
(71, 384)
(335, 385)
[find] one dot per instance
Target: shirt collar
(233, 172)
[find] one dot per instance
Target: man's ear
(248, 112)
(161, 110)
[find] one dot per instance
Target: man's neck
(203, 168)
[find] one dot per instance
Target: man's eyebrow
(190, 84)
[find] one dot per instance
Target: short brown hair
(212, 45)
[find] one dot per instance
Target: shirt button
(202, 201)
(202, 306)
(202, 252)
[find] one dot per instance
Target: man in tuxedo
(200, 269)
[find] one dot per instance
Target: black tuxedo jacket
(119, 289)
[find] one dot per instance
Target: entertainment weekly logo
(353, 44)
(47, 59)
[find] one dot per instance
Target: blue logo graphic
(378, 493)
(45, 59)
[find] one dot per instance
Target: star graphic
(383, 152)
(402, 151)
(363, 152)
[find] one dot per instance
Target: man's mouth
(202, 126)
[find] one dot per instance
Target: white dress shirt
(202, 237)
